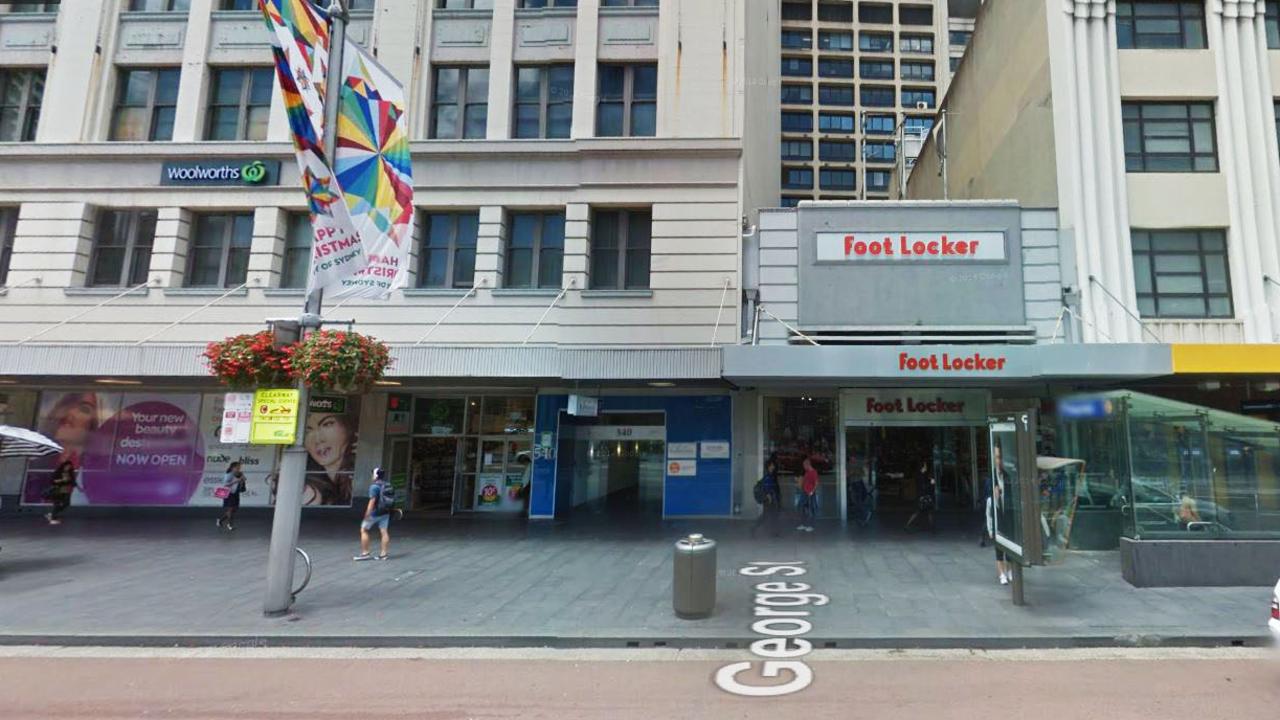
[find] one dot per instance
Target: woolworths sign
(221, 173)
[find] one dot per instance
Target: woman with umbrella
(17, 442)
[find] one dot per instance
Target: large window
(797, 178)
(878, 180)
(628, 3)
(146, 101)
(122, 248)
(533, 4)
(535, 250)
(835, 40)
(875, 42)
(915, 14)
(797, 10)
(835, 122)
(1160, 24)
(797, 39)
(916, 44)
(917, 71)
(460, 103)
(620, 249)
(1169, 137)
(797, 67)
(878, 124)
(830, 179)
(804, 428)
(840, 12)
(880, 13)
(297, 251)
(876, 69)
(797, 94)
(240, 103)
(1273, 24)
(448, 257)
(834, 68)
(918, 97)
(835, 95)
(160, 5)
(879, 152)
(960, 38)
(837, 150)
(797, 122)
(219, 255)
(877, 96)
(1182, 273)
(797, 150)
(544, 101)
(21, 92)
(35, 7)
(8, 224)
(463, 4)
(627, 105)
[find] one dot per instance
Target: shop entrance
(616, 463)
(887, 459)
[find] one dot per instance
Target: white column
(73, 82)
(584, 69)
(188, 121)
(501, 53)
(266, 253)
(577, 245)
(490, 243)
(1098, 312)
(51, 245)
(169, 250)
(1120, 183)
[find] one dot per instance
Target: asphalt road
(447, 684)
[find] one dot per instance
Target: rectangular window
(49, 6)
(917, 125)
(835, 95)
(239, 103)
(238, 5)
(837, 150)
(960, 38)
(877, 96)
(538, 4)
(881, 13)
(8, 225)
(297, 251)
(797, 150)
(620, 249)
(831, 68)
(535, 250)
(835, 123)
(159, 5)
(797, 122)
(1169, 137)
(463, 4)
(879, 152)
(797, 94)
(797, 39)
(955, 62)
(835, 40)
(21, 93)
(219, 254)
(629, 3)
(917, 70)
(459, 103)
(875, 69)
(797, 178)
(836, 179)
(878, 124)
(915, 15)
(841, 12)
(1182, 273)
(916, 44)
(1160, 24)
(627, 104)
(918, 97)
(797, 10)
(146, 101)
(790, 201)
(797, 67)
(448, 256)
(878, 180)
(875, 42)
(1272, 21)
(543, 101)
(122, 248)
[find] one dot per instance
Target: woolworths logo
(221, 173)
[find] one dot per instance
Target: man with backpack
(382, 505)
(768, 494)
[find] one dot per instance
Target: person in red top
(808, 497)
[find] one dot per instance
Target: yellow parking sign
(275, 417)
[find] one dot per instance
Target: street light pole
(291, 477)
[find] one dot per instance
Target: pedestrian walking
(232, 485)
(382, 505)
(925, 501)
(1000, 508)
(61, 486)
(769, 494)
(808, 497)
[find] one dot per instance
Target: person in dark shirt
(771, 509)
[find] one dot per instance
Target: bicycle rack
(306, 560)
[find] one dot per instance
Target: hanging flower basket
(339, 361)
(245, 362)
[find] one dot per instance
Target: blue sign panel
(1084, 408)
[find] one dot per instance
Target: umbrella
(16, 442)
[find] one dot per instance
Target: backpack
(761, 495)
(386, 499)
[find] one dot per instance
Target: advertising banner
(257, 462)
(331, 436)
(1006, 488)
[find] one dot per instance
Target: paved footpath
(225, 684)
(146, 578)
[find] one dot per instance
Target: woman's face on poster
(76, 416)
(327, 439)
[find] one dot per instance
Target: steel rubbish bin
(694, 583)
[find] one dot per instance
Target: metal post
(1019, 598)
(291, 481)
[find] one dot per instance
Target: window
(535, 4)
(238, 5)
(448, 257)
(876, 69)
(1169, 137)
(544, 101)
(875, 42)
(835, 40)
(877, 96)
(8, 224)
(535, 250)
(797, 10)
(797, 94)
(797, 39)
(122, 248)
(875, 13)
(878, 180)
(797, 67)
(628, 101)
(35, 7)
(841, 12)
(21, 92)
(836, 150)
(1182, 274)
(879, 152)
(1273, 24)
(797, 178)
(620, 249)
(360, 4)
(239, 104)
(836, 179)
(790, 201)
(159, 5)
(835, 123)
(219, 255)
(1160, 24)
(146, 100)
(915, 97)
(629, 3)
(919, 44)
(797, 122)
(916, 70)
(960, 38)
(464, 4)
(878, 124)
(797, 150)
(835, 95)
(917, 125)
(915, 15)
(297, 251)
(459, 103)
(828, 67)
(955, 62)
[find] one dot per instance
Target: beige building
(1150, 127)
